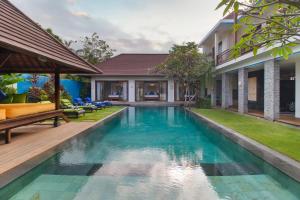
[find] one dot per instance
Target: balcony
(226, 55)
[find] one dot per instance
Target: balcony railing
(224, 57)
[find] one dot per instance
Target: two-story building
(258, 84)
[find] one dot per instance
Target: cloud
(81, 14)
(73, 25)
(127, 25)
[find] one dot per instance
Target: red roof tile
(132, 64)
(32, 48)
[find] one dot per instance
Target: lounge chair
(107, 103)
(74, 113)
(80, 102)
(66, 104)
(100, 105)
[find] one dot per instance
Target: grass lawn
(100, 114)
(282, 138)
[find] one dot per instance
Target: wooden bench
(7, 125)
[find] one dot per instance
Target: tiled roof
(25, 46)
(132, 64)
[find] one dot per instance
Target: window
(220, 47)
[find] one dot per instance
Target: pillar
(271, 90)
(171, 91)
(216, 48)
(297, 87)
(213, 93)
(56, 95)
(243, 90)
(131, 90)
(226, 91)
(93, 89)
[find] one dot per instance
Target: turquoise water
(153, 153)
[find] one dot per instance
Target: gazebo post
(56, 95)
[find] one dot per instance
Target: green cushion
(19, 98)
(7, 100)
(66, 102)
(45, 102)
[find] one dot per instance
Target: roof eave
(213, 30)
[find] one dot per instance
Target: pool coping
(21, 169)
(276, 159)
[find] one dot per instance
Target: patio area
(284, 118)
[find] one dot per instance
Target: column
(297, 87)
(216, 48)
(213, 93)
(131, 90)
(271, 90)
(56, 95)
(243, 90)
(93, 89)
(226, 91)
(171, 91)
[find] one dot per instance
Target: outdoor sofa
(21, 114)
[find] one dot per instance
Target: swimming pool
(153, 153)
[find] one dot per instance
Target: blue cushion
(2, 95)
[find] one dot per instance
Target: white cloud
(127, 25)
(81, 14)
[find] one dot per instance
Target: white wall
(297, 113)
(131, 90)
(93, 89)
(171, 93)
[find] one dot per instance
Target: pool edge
(276, 159)
(21, 169)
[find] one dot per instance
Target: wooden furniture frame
(74, 114)
(7, 125)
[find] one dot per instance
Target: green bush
(203, 103)
(9, 90)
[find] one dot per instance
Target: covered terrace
(26, 48)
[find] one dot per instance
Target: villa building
(132, 78)
(258, 84)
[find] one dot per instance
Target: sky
(129, 26)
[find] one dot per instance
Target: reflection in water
(156, 177)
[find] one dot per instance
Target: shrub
(203, 103)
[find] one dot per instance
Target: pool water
(153, 153)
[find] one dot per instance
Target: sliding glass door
(112, 90)
(151, 90)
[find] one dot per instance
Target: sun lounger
(66, 104)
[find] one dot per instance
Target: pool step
(99, 169)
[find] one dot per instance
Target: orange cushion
(2, 114)
(22, 109)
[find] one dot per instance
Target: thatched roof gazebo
(26, 48)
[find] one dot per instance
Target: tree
(187, 65)
(49, 30)
(94, 50)
(273, 24)
(8, 80)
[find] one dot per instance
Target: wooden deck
(31, 141)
